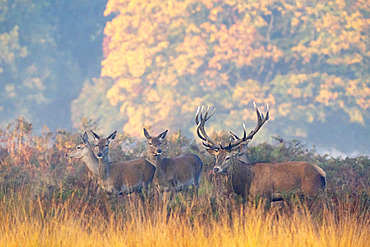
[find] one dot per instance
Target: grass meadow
(48, 200)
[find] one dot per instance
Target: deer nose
(159, 150)
(216, 169)
(100, 155)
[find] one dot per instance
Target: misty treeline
(132, 64)
(48, 49)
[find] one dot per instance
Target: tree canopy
(156, 61)
(307, 60)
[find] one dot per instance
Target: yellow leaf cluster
(284, 109)
(234, 45)
(355, 115)
(191, 53)
(115, 95)
(214, 12)
(360, 91)
(333, 31)
(246, 92)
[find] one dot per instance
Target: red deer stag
(115, 177)
(173, 173)
(267, 180)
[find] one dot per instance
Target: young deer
(113, 177)
(259, 179)
(84, 151)
(173, 173)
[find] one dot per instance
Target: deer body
(268, 180)
(125, 177)
(114, 177)
(173, 173)
(179, 172)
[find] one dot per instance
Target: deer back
(180, 171)
(265, 179)
(135, 173)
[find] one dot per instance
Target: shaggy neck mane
(241, 177)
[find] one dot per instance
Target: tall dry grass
(181, 221)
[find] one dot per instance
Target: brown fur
(126, 177)
(121, 177)
(268, 180)
(173, 173)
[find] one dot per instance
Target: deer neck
(104, 168)
(238, 165)
(104, 173)
(157, 161)
(91, 162)
(241, 177)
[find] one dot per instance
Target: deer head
(81, 149)
(236, 148)
(154, 143)
(102, 144)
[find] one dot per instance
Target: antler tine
(196, 116)
(200, 121)
(199, 114)
(234, 135)
(238, 140)
(260, 121)
(210, 115)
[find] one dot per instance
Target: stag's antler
(261, 120)
(200, 121)
(209, 143)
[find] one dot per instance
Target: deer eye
(150, 143)
(78, 147)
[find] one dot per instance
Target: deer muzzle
(217, 169)
(99, 155)
(159, 151)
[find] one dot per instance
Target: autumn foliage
(308, 60)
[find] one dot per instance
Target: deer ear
(95, 135)
(243, 158)
(85, 138)
(146, 134)
(112, 136)
(244, 147)
(162, 135)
